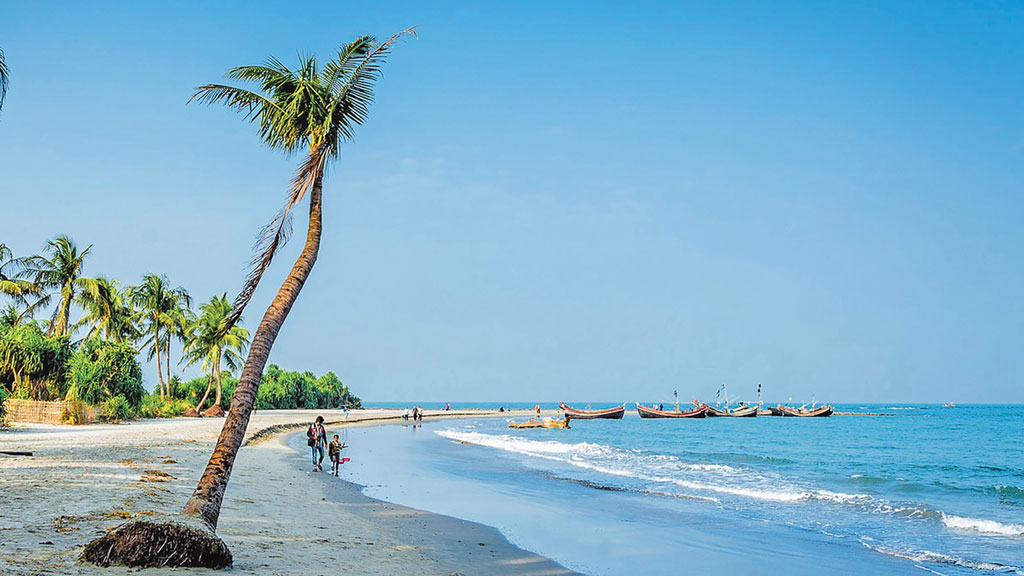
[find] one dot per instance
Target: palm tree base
(214, 411)
(153, 542)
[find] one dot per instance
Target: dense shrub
(153, 406)
(116, 409)
(102, 370)
(32, 364)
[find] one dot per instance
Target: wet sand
(278, 516)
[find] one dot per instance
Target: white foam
(938, 558)
(648, 467)
(981, 525)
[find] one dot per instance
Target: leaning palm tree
(157, 303)
(57, 274)
(108, 311)
(212, 346)
(308, 109)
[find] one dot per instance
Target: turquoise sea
(927, 488)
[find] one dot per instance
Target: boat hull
(823, 412)
(745, 412)
(645, 412)
(610, 414)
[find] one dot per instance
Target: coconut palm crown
(308, 108)
(212, 347)
(58, 274)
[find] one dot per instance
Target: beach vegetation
(100, 370)
(33, 365)
(116, 409)
(89, 351)
(153, 406)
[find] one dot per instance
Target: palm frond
(275, 235)
(352, 93)
(5, 78)
(246, 101)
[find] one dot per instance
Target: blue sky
(575, 201)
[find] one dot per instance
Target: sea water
(923, 488)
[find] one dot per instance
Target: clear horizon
(566, 201)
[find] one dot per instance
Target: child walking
(334, 450)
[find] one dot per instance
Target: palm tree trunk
(216, 402)
(167, 383)
(206, 500)
(209, 385)
(159, 369)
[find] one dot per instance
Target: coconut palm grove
(65, 335)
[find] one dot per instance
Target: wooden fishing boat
(545, 423)
(748, 411)
(645, 412)
(609, 414)
(822, 412)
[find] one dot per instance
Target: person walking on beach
(317, 440)
(334, 451)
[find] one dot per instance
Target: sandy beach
(278, 517)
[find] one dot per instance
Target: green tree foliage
(57, 275)
(212, 344)
(286, 389)
(32, 364)
(160, 310)
(101, 370)
(279, 389)
(108, 311)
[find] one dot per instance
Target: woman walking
(317, 440)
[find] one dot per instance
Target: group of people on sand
(416, 413)
(316, 439)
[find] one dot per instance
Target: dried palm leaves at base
(148, 543)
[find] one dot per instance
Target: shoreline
(85, 480)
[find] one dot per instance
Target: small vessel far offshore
(609, 414)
